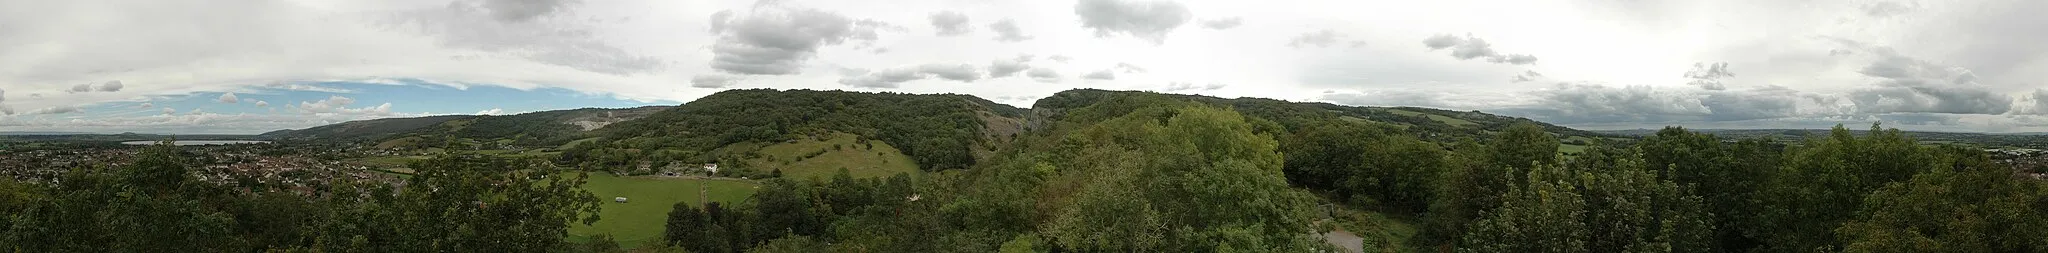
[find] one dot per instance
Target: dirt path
(1344, 239)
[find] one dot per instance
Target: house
(711, 167)
(619, 199)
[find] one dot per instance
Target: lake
(196, 143)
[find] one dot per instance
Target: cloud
(1149, 20)
(524, 10)
(261, 103)
(3, 95)
(1060, 58)
(1584, 103)
(286, 85)
(713, 81)
(955, 72)
(339, 105)
(1388, 98)
(1911, 85)
(2039, 105)
(514, 28)
(1468, 47)
(894, 77)
(228, 98)
(1043, 75)
(1223, 23)
(951, 23)
(1007, 67)
(888, 78)
(197, 111)
(1007, 31)
(86, 87)
(1707, 76)
(169, 111)
(1106, 74)
(775, 40)
(1886, 9)
(1185, 86)
(110, 86)
(1320, 38)
(145, 105)
(61, 109)
(1128, 68)
(1525, 76)
(492, 111)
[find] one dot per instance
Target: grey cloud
(1886, 9)
(713, 81)
(111, 86)
(1043, 75)
(512, 28)
(524, 10)
(169, 111)
(145, 105)
(1183, 86)
(62, 109)
(1931, 100)
(1912, 85)
(1442, 41)
(1149, 20)
(1357, 43)
(1387, 98)
(893, 77)
(1525, 76)
(229, 98)
(35, 95)
(1223, 23)
(888, 78)
(1128, 68)
(776, 41)
(955, 72)
(1708, 76)
(84, 87)
(3, 95)
(1060, 58)
(1005, 68)
(950, 23)
(1322, 38)
(1007, 31)
(1105, 74)
(2040, 106)
(1468, 47)
(1570, 103)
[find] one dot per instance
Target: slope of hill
(361, 130)
(1436, 125)
(527, 129)
(939, 131)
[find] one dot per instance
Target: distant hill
(1989, 140)
(1427, 123)
(934, 130)
(529, 129)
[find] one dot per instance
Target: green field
(1438, 118)
(640, 220)
(881, 161)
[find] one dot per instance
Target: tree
(1726, 176)
(1805, 197)
(1524, 145)
(1969, 206)
(466, 203)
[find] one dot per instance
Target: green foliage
(461, 203)
(1805, 198)
(1365, 164)
(1968, 206)
(937, 131)
(1727, 176)
(1604, 201)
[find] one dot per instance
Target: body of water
(196, 143)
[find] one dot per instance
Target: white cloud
(229, 98)
(261, 103)
(492, 111)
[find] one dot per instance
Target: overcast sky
(248, 66)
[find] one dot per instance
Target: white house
(711, 167)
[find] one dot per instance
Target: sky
(252, 66)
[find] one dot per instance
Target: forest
(1101, 172)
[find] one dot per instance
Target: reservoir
(195, 142)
